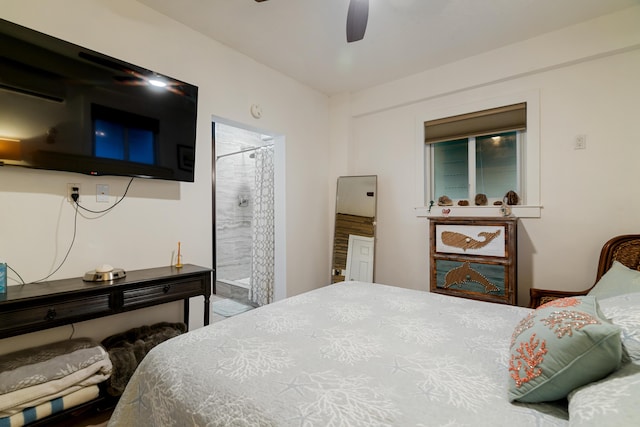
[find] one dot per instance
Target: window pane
(141, 146)
(496, 164)
(451, 169)
(109, 139)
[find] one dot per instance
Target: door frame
(280, 267)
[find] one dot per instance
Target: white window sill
(478, 211)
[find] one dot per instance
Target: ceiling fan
(357, 17)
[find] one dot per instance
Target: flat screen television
(67, 108)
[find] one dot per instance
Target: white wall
(587, 77)
(36, 222)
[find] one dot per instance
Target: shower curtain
(263, 245)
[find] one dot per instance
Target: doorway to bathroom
(246, 201)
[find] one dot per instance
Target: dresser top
(472, 219)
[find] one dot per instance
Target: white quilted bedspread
(350, 354)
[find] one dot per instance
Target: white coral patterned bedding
(350, 354)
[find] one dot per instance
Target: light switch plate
(102, 193)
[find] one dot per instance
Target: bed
(364, 354)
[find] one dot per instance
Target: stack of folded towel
(38, 382)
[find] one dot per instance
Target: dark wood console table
(38, 306)
(34, 307)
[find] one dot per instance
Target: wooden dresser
(474, 257)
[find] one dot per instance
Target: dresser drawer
(482, 240)
(43, 316)
(472, 279)
(165, 292)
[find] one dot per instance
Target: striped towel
(51, 407)
(15, 401)
(38, 375)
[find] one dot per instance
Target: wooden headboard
(625, 249)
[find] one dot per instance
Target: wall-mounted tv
(67, 108)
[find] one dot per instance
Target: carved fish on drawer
(464, 242)
(464, 273)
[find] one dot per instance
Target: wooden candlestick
(179, 258)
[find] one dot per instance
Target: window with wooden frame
(476, 153)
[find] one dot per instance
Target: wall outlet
(580, 143)
(72, 188)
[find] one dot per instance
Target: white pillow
(624, 311)
(613, 401)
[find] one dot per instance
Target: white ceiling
(306, 39)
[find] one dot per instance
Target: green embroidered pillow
(560, 346)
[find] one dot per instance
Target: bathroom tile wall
(234, 201)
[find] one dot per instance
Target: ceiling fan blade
(357, 18)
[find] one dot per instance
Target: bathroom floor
(227, 291)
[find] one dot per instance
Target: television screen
(67, 108)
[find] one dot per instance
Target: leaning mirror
(355, 226)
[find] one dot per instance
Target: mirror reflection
(355, 225)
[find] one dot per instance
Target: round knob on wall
(256, 111)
